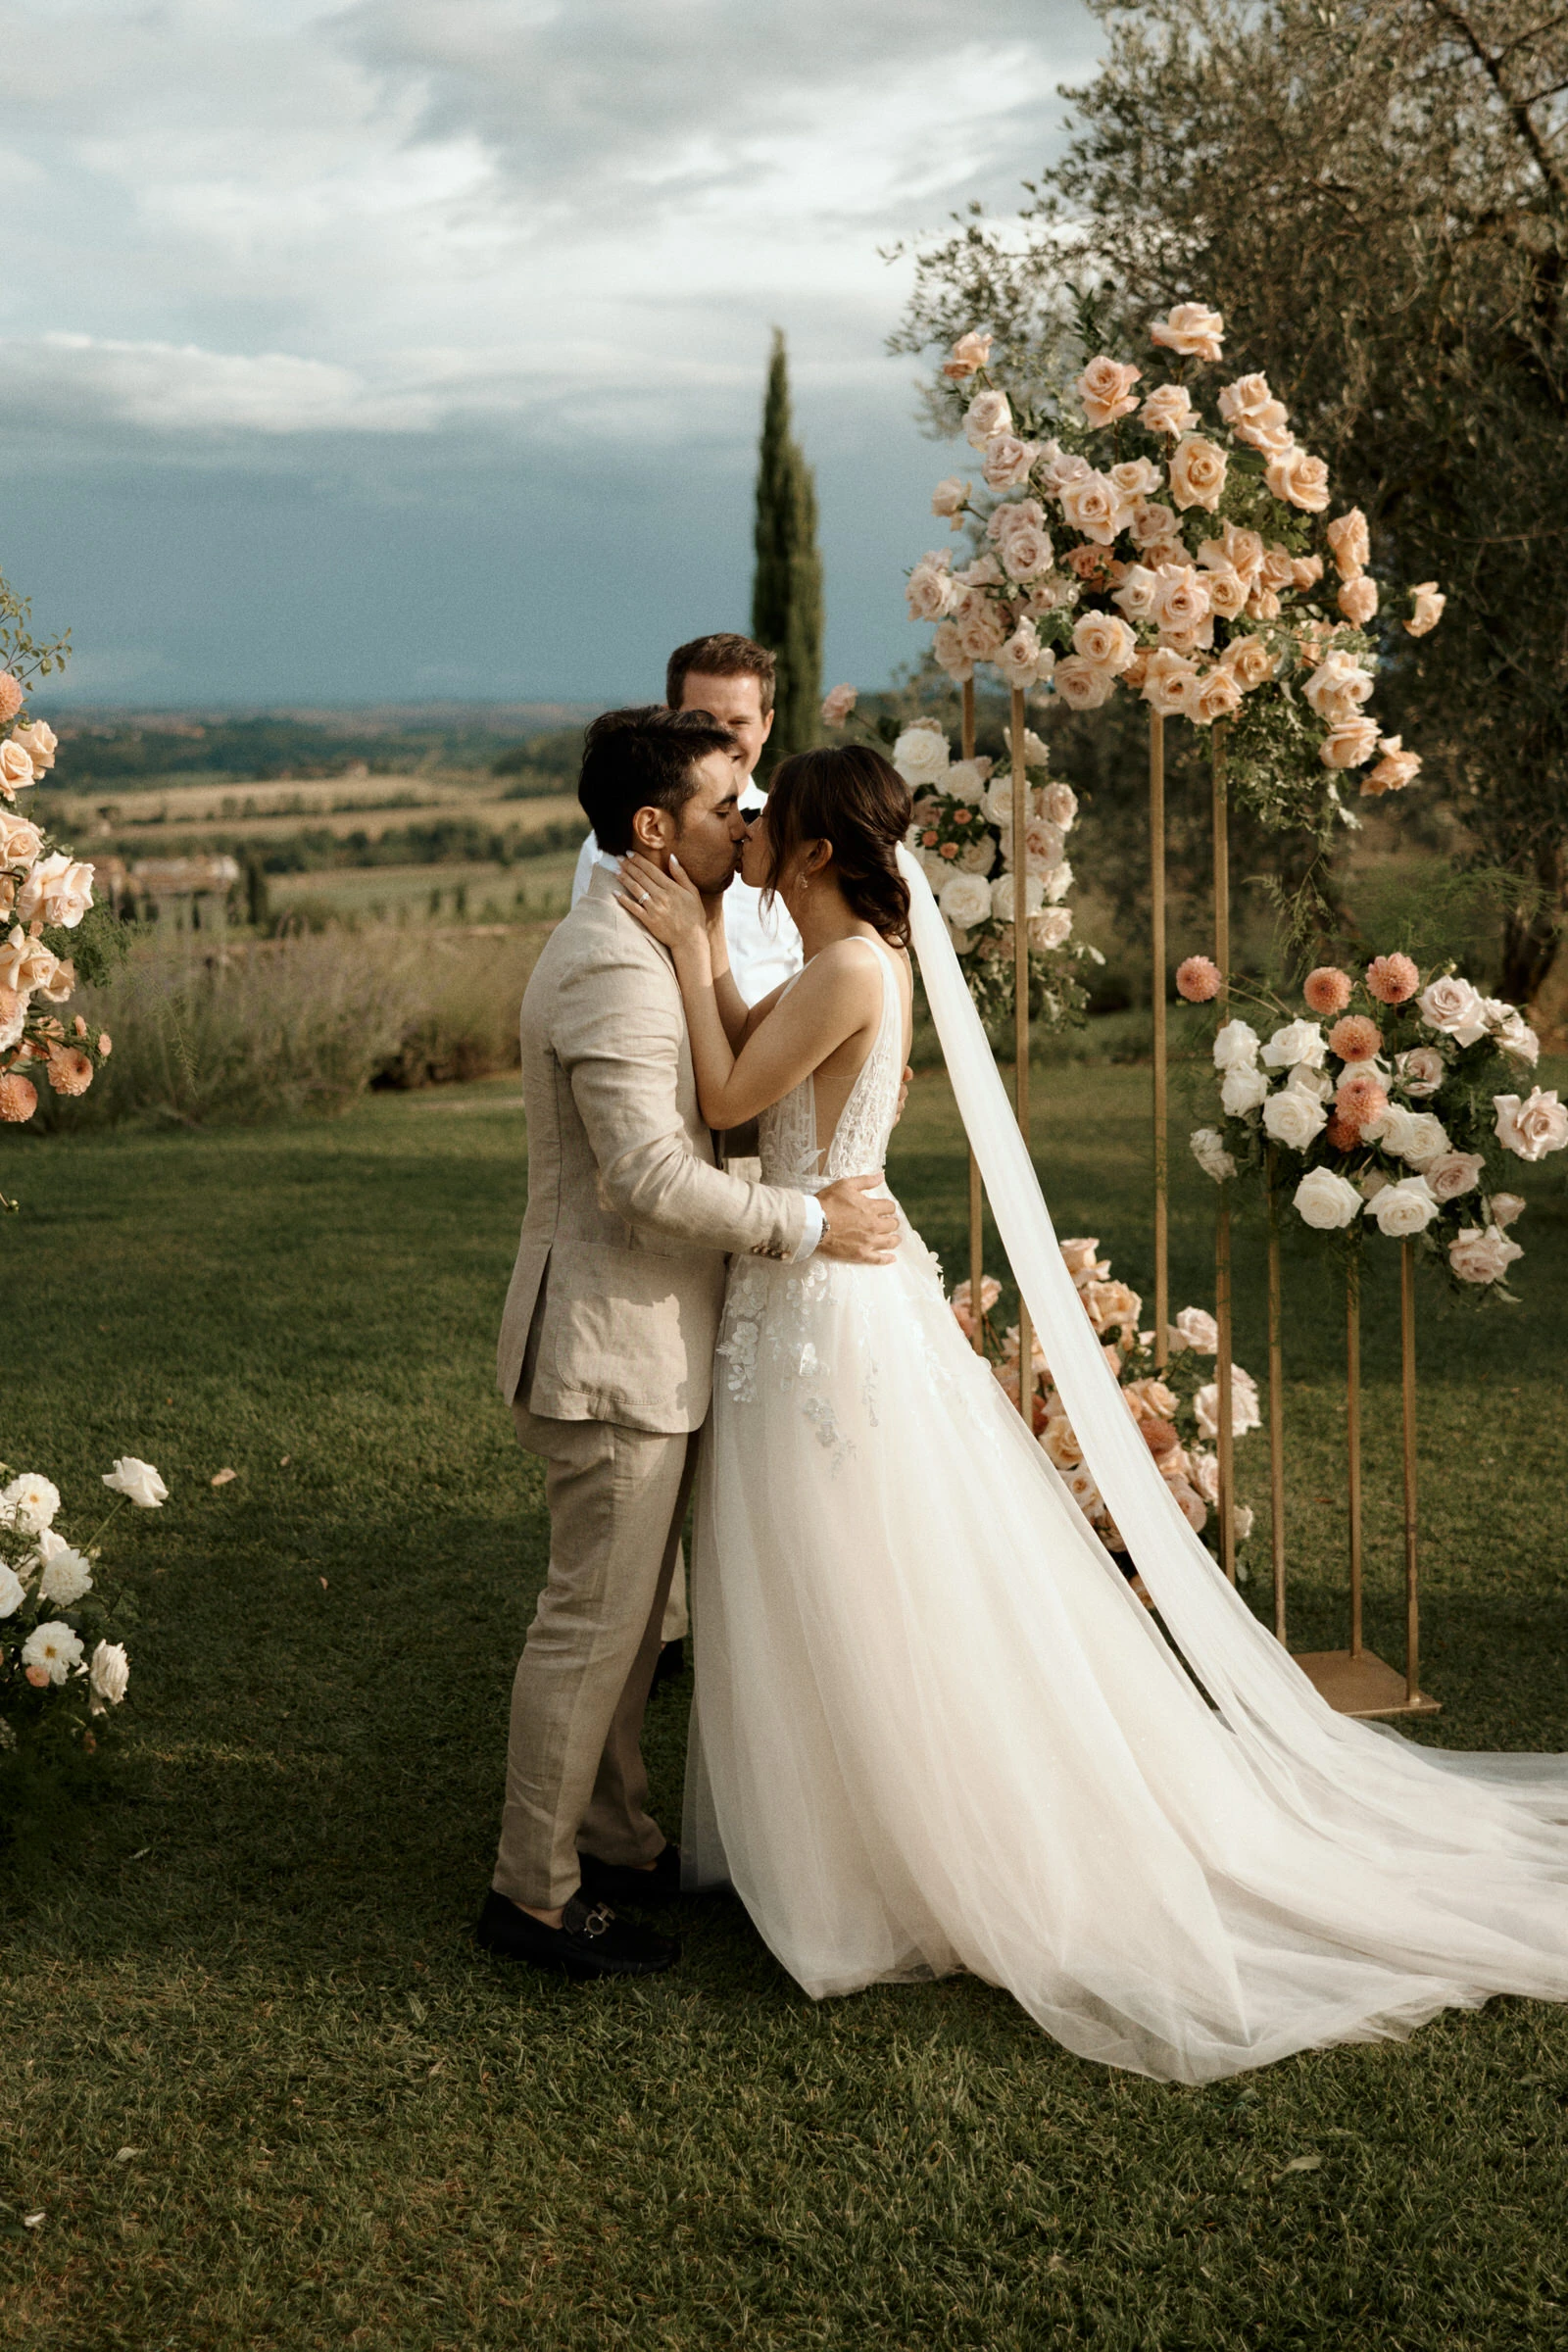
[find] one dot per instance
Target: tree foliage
(787, 585)
(1375, 193)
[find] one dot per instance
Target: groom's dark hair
(642, 758)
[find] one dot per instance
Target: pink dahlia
(1327, 990)
(1360, 1099)
(70, 1070)
(1339, 1135)
(1392, 979)
(10, 698)
(19, 1097)
(1354, 1038)
(1197, 980)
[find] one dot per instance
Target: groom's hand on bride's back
(859, 1229)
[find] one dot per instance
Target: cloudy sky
(413, 349)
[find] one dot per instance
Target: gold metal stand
(1156, 998)
(977, 1248)
(1276, 1399)
(1020, 984)
(1226, 1441)
(1354, 1680)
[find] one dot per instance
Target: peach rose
(1137, 593)
(1262, 605)
(1277, 570)
(40, 744)
(1478, 1256)
(10, 697)
(1025, 554)
(106, 1045)
(1218, 696)
(1393, 980)
(1058, 467)
(1170, 683)
(1103, 640)
(1191, 329)
(1533, 1127)
(1453, 1173)
(1350, 543)
(970, 354)
(1354, 1038)
(1299, 479)
(19, 1099)
(1327, 990)
(1250, 661)
(1151, 525)
(1083, 685)
(1428, 608)
(1305, 572)
(1105, 388)
(1017, 514)
(1359, 599)
(1506, 1207)
(1181, 598)
(1112, 1306)
(1337, 689)
(1136, 477)
(950, 654)
(1226, 592)
(19, 840)
(1095, 566)
(57, 888)
(930, 593)
(1395, 769)
(987, 415)
(15, 768)
(1198, 472)
(1350, 744)
(1248, 396)
(1242, 551)
(1170, 411)
(949, 498)
(1023, 661)
(1137, 669)
(1093, 504)
(1007, 460)
(837, 704)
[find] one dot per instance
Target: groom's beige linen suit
(606, 1360)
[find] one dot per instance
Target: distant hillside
(130, 748)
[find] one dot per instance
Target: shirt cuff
(810, 1237)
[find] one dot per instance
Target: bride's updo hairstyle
(852, 797)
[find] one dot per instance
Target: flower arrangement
(1403, 1112)
(52, 1607)
(1127, 543)
(45, 895)
(1176, 1406)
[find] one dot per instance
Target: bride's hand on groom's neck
(668, 904)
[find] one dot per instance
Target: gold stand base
(1361, 1685)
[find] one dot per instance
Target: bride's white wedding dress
(935, 1729)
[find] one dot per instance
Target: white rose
(1208, 1149)
(1293, 1117)
(949, 497)
(1245, 1414)
(1421, 1070)
(64, 1579)
(1056, 884)
(1051, 929)
(13, 1592)
(1059, 804)
(1002, 898)
(1307, 1081)
(1405, 1208)
(930, 594)
(921, 756)
(29, 1502)
(54, 1647)
(966, 900)
(1453, 1173)
(1243, 1090)
(1236, 1047)
(1512, 1030)
(1532, 1128)
(109, 1673)
(976, 857)
(1325, 1200)
(1194, 1327)
(1478, 1256)
(1297, 1042)
(1456, 1008)
(986, 414)
(1505, 1207)
(1422, 1138)
(1007, 460)
(137, 1480)
(57, 888)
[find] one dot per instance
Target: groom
(606, 1343)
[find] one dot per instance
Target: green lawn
(265, 2093)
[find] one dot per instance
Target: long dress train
(934, 1728)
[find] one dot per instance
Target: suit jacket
(619, 1278)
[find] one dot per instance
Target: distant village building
(202, 883)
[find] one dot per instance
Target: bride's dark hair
(852, 797)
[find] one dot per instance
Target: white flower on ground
(1244, 1088)
(1234, 1047)
(1480, 1257)
(109, 1673)
(1531, 1128)
(138, 1480)
(1297, 1042)
(52, 1650)
(1194, 1327)
(64, 1579)
(1326, 1200)
(29, 1504)
(1208, 1149)
(13, 1592)
(1293, 1117)
(1405, 1208)
(966, 900)
(1454, 1008)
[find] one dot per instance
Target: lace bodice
(787, 1130)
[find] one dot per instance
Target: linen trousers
(575, 1775)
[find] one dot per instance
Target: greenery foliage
(787, 583)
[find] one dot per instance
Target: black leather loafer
(590, 1941)
(613, 1882)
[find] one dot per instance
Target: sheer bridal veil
(1362, 1784)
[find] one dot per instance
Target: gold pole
(1021, 986)
(1226, 1447)
(978, 1249)
(1412, 1616)
(1276, 1401)
(1353, 1432)
(1157, 957)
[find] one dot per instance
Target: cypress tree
(787, 585)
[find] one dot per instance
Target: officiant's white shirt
(765, 946)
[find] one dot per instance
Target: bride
(934, 1728)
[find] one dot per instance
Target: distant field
(273, 813)
(538, 886)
